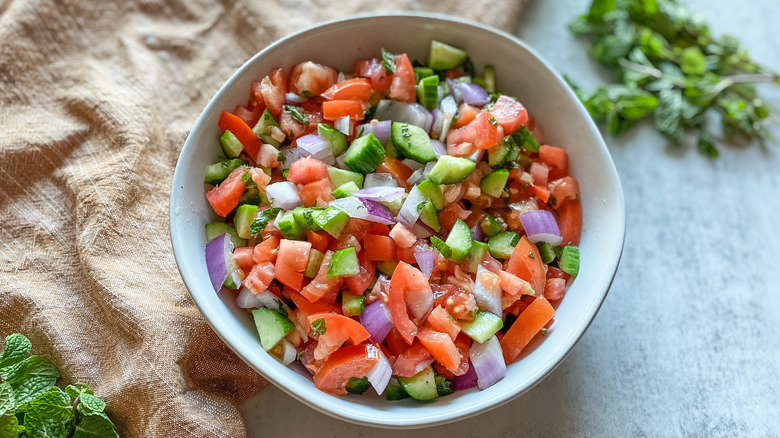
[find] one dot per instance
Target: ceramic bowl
(520, 72)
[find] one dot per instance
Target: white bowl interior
(519, 72)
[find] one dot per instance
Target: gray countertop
(687, 342)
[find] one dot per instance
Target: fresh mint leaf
(89, 403)
(692, 61)
(388, 61)
(261, 220)
(95, 425)
(598, 8)
(667, 116)
(30, 377)
(78, 388)
(50, 414)
(297, 114)
(16, 348)
(8, 421)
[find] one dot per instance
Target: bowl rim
(450, 416)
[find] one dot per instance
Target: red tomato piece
(405, 278)
(441, 347)
(273, 89)
(350, 89)
(380, 248)
(308, 307)
(441, 320)
(311, 79)
(570, 222)
(509, 113)
(526, 263)
(374, 70)
(259, 277)
(486, 135)
(525, 327)
(306, 170)
(555, 289)
(345, 363)
(316, 192)
(336, 109)
(224, 197)
(266, 250)
(403, 86)
(321, 285)
(359, 282)
(412, 361)
(338, 329)
(563, 190)
(397, 169)
(244, 134)
(243, 257)
(319, 240)
(556, 158)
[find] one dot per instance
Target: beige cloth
(97, 99)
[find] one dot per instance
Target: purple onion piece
(476, 232)
(380, 129)
(437, 124)
(487, 298)
(540, 226)
(455, 91)
(409, 212)
(422, 231)
(439, 148)
(379, 180)
(385, 194)
(344, 125)
(426, 260)
(377, 212)
(316, 147)
(377, 321)
(466, 380)
(473, 94)
(218, 250)
(488, 361)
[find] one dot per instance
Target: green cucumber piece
(231, 146)
(490, 79)
(451, 170)
(413, 142)
(477, 253)
(394, 206)
(444, 57)
(387, 267)
(546, 252)
(440, 246)
(215, 229)
(313, 266)
(336, 138)
(498, 154)
(503, 244)
(421, 386)
(264, 127)
(332, 220)
(351, 304)
(459, 241)
(271, 326)
(422, 72)
(346, 189)
(428, 92)
(290, 228)
(344, 263)
(483, 327)
(569, 261)
(429, 216)
(304, 216)
(433, 192)
(245, 214)
(365, 154)
(233, 268)
(339, 177)
(491, 226)
(493, 183)
(217, 172)
(358, 385)
(395, 392)
(525, 140)
(393, 151)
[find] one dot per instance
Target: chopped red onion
(422, 231)
(409, 212)
(448, 110)
(317, 147)
(345, 125)
(473, 94)
(377, 321)
(414, 165)
(283, 195)
(540, 226)
(377, 212)
(412, 113)
(294, 99)
(488, 296)
(289, 354)
(267, 299)
(340, 162)
(247, 300)
(290, 155)
(380, 194)
(476, 156)
(476, 232)
(415, 177)
(488, 362)
(455, 92)
(379, 376)
(219, 253)
(428, 168)
(379, 180)
(438, 123)
(438, 148)
(380, 129)
(466, 380)
(426, 260)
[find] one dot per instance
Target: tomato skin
(380, 248)
(309, 78)
(336, 109)
(316, 192)
(397, 169)
(259, 277)
(242, 131)
(412, 360)
(570, 222)
(378, 229)
(441, 347)
(466, 113)
(405, 277)
(403, 86)
(308, 307)
(319, 240)
(510, 114)
(273, 88)
(243, 257)
(526, 263)
(350, 89)
(528, 323)
(343, 364)
(486, 135)
(291, 261)
(441, 320)
(359, 282)
(224, 197)
(375, 71)
(556, 158)
(266, 250)
(338, 329)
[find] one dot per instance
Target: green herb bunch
(31, 406)
(669, 67)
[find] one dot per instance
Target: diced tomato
(380, 248)
(540, 192)
(466, 113)
(406, 255)
(404, 237)
(441, 320)
(479, 133)
(539, 172)
(321, 285)
(526, 263)
(405, 278)
(291, 261)
(563, 190)
(555, 289)
(242, 131)
(306, 170)
(412, 361)
(336, 109)
(441, 347)
(373, 69)
(224, 197)
(525, 327)
(259, 177)
(308, 307)
(309, 78)
(248, 116)
(243, 257)
(509, 113)
(556, 158)
(273, 89)
(266, 250)
(259, 277)
(256, 102)
(451, 214)
(316, 193)
(403, 86)
(486, 135)
(344, 364)
(378, 229)
(338, 329)
(290, 127)
(350, 89)
(268, 156)
(319, 240)
(490, 263)
(443, 291)
(396, 344)
(359, 282)
(514, 285)
(397, 169)
(570, 222)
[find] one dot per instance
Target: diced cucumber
(440, 246)
(290, 228)
(364, 154)
(358, 385)
(245, 214)
(313, 266)
(351, 304)
(413, 142)
(346, 189)
(503, 244)
(490, 226)
(525, 140)
(339, 177)
(272, 326)
(336, 138)
(546, 252)
(395, 392)
(391, 150)
(497, 154)
(254, 197)
(231, 146)
(264, 127)
(387, 267)
(451, 170)
(421, 386)
(569, 262)
(477, 253)
(483, 327)
(444, 57)
(512, 149)
(332, 220)
(215, 229)
(429, 217)
(304, 216)
(433, 191)
(217, 172)
(422, 72)
(490, 79)
(459, 241)
(428, 92)
(344, 263)
(493, 183)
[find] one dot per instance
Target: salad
(400, 226)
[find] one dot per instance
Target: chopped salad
(402, 225)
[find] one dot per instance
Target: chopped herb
(297, 114)
(307, 94)
(388, 61)
(247, 179)
(440, 246)
(318, 326)
(281, 158)
(530, 254)
(493, 122)
(261, 220)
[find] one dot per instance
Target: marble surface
(687, 342)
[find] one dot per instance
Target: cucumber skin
(421, 386)
(459, 241)
(215, 229)
(365, 154)
(413, 142)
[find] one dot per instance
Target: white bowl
(520, 72)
